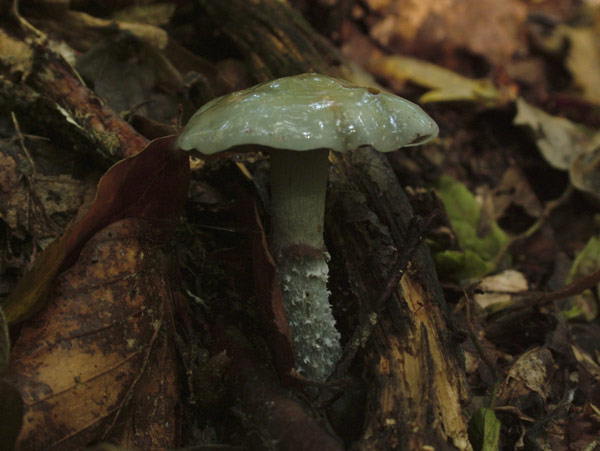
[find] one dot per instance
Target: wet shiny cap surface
(304, 112)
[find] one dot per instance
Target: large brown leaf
(96, 361)
(100, 341)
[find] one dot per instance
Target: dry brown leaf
(565, 145)
(157, 14)
(276, 416)
(487, 28)
(583, 60)
(585, 169)
(498, 290)
(531, 372)
(11, 415)
(509, 281)
(558, 139)
(80, 361)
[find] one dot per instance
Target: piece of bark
(417, 385)
(47, 92)
(274, 38)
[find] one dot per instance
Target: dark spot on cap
(373, 91)
(420, 139)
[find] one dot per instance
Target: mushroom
(298, 120)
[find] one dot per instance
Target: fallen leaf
(583, 59)
(484, 430)
(274, 414)
(99, 341)
(444, 85)
(558, 139)
(152, 184)
(529, 373)
(585, 169)
(154, 13)
(585, 360)
(498, 289)
(151, 419)
(587, 261)
(81, 30)
(479, 245)
(514, 189)
(32, 203)
(565, 145)
(487, 28)
(30, 294)
(16, 55)
(509, 281)
(464, 265)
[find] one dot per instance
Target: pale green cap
(304, 112)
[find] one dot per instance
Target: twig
(24, 24)
(573, 289)
(22, 142)
(531, 300)
(31, 180)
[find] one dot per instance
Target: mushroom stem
(298, 187)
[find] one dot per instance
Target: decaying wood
(416, 382)
(273, 38)
(47, 90)
(418, 385)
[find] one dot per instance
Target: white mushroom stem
(298, 188)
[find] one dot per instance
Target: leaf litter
(494, 142)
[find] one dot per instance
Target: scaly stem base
(298, 187)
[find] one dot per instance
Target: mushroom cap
(304, 112)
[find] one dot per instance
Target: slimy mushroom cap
(304, 112)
